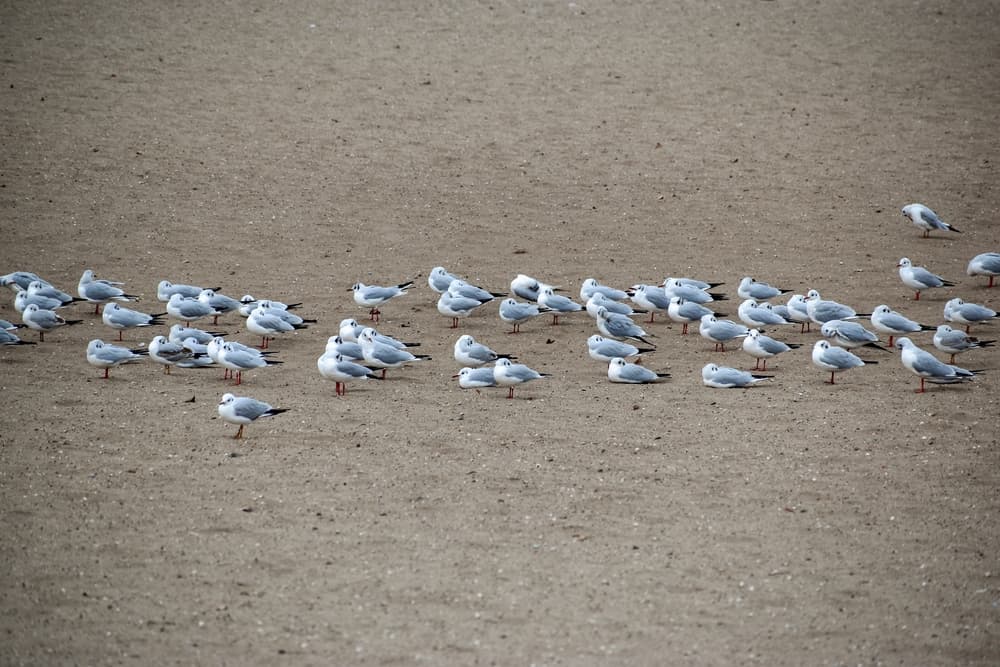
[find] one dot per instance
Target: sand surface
(291, 149)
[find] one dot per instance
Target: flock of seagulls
(359, 353)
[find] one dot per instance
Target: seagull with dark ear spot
(926, 219)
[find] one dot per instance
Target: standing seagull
(968, 314)
(823, 310)
(517, 313)
(373, 296)
(187, 309)
(606, 349)
(955, 342)
(762, 348)
(850, 335)
(508, 374)
(622, 371)
(835, 359)
(986, 264)
(684, 311)
(238, 358)
(929, 367)
(751, 289)
(557, 303)
(590, 287)
(342, 371)
(242, 410)
(620, 326)
(926, 219)
(919, 278)
(121, 318)
(101, 291)
(381, 355)
(721, 332)
(107, 356)
(886, 320)
(43, 320)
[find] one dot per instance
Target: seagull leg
(106, 376)
(510, 394)
(97, 309)
(684, 329)
(120, 334)
(921, 390)
(917, 297)
(454, 323)
(555, 320)
(990, 283)
(383, 373)
(952, 360)
(832, 373)
(41, 336)
(373, 314)
(652, 314)
(239, 378)
(239, 433)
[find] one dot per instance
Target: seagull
(599, 300)
(557, 303)
(508, 374)
(517, 312)
(349, 350)
(249, 303)
(589, 287)
(40, 288)
(21, 279)
(724, 377)
(119, 317)
(692, 282)
(751, 289)
(267, 325)
(755, 315)
(101, 291)
(821, 310)
(835, 359)
(43, 320)
(242, 410)
(956, 310)
(6, 325)
(673, 287)
(955, 342)
(850, 335)
(214, 350)
(721, 332)
(162, 351)
(350, 331)
(341, 371)
(798, 311)
(188, 310)
(919, 278)
(929, 367)
(24, 297)
(455, 307)
(439, 279)
(470, 353)
(7, 338)
(459, 287)
(620, 326)
(475, 378)
(221, 303)
(606, 349)
(762, 348)
(527, 287)
(238, 358)
(652, 298)
(622, 371)
(986, 264)
(926, 219)
(381, 355)
(887, 320)
(373, 296)
(684, 311)
(107, 356)
(179, 332)
(165, 289)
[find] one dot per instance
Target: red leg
(921, 390)
(917, 297)
(239, 433)
(510, 394)
(106, 376)
(684, 329)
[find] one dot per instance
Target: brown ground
(290, 149)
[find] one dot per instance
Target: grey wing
(897, 322)
(250, 408)
(353, 369)
(172, 352)
(841, 358)
(772, 346)
(956, 340)
(274, 322)
(635, 373)
(732, 376)
(522, 372)
(925, 363)
(100, 291)
(856, 333)
(931, 218)
(244, 359)
(481, 353)
(390, 355)
(922, 275)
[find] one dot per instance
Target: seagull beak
(453, 377)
